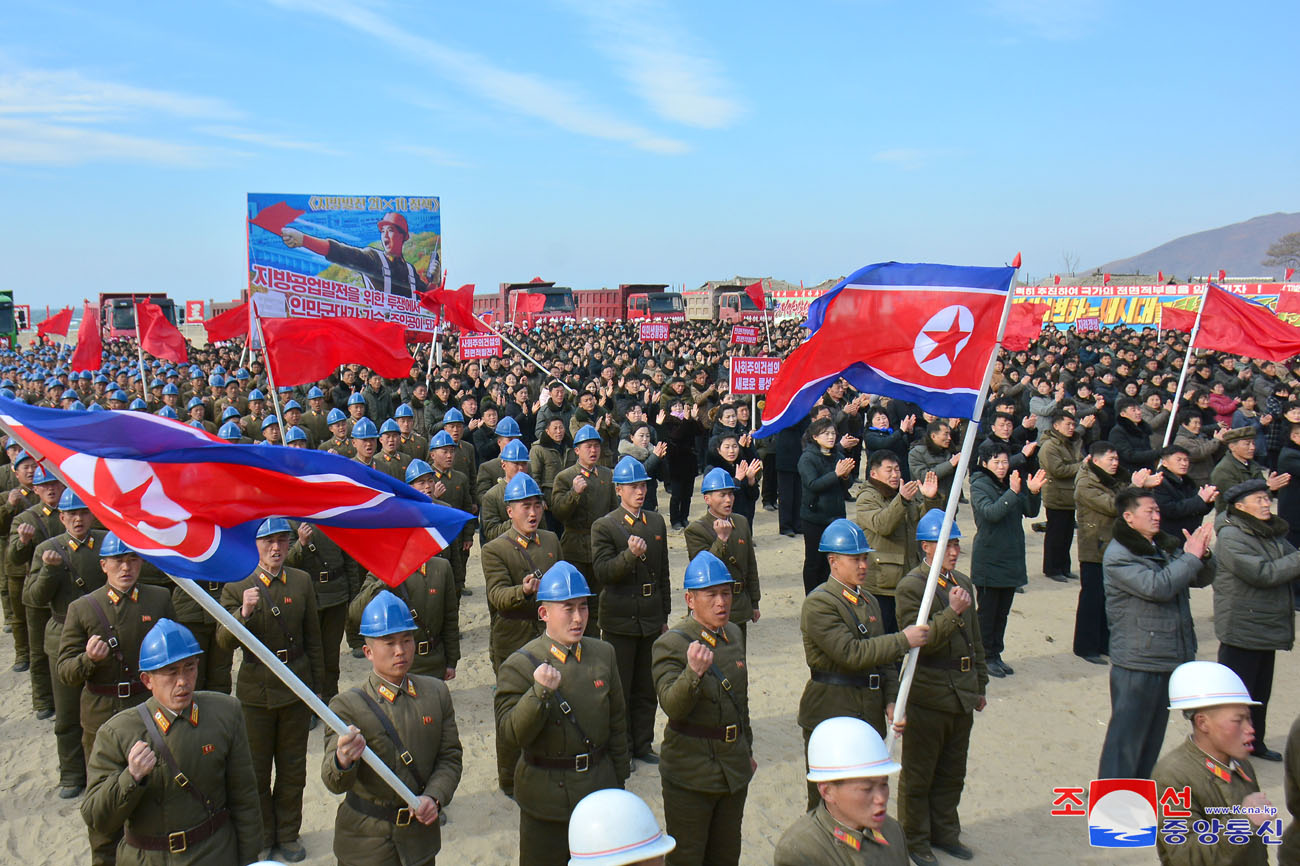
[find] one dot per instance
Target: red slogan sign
(654, 332)
(753, 375)
(474, 346)
(744, 335)
(194, 311)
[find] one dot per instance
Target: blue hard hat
(77, 406)
(515, 452)
(255, 394)
(171, 390)
(927, 528)
(216, 380)
(167, 643)
(417, 468)
(68, 395)
(562, 582)
(315, 393)
(273, 526)
(335, 416)
(101, 379)
(20, 457)
(386, 614)
(355, 398)
(284, 389)
(389, 426)
(119, 395)
(197, 425)
(404, 411)
(70, 501)
(196, 373)
(365, 429)
(219, 369)
(167, 412)
(42, 476)
(95, 407)
(442, 439)
(113, 546)
(155, 382)
(586, 433)
(522, 486)
(629, 471)
(228, 413)
(241, 374)
(844, 536)
(194, 401)
(270, 421)
(230, 430)
(508, 427)
(292, 404)
(706, 570)
(138, 405)
(717, 479)
(295, 434)
(453, 416)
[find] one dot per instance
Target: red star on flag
(945, 342)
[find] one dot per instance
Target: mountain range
(1238, 249)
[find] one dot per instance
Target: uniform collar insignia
(161, 720)
(879, 838)
(114, 596)
(848, 837)
(629, 518)
(523, 540)
(852, 594)
(559, 654)
(46, 509)
(268, 579)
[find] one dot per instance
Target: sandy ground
(1043, 727)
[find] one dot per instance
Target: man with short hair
(582, 494)
(1131, 438)
(1060, 455)
(1239, 465)
(935, 455)
(1182, 504)
(451, 487)
(38, 523)
(887, 511)
(729, 537)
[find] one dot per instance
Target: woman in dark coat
(825, 476)
(679, 430)
(726, 452)
(1001, 499)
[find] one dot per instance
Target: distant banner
(652, 332)
(793, 303)
(744, 335)
(1137, 307)
(341, 255)
(194, 311)
(477, 346)
(753, 375)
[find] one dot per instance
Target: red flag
(1015, 263)
(1175, 319)
(1288, 302)
(1223, 275)
(1233, 324)
(457, 307)
(755, 293)
(56, 324)
(529, 302)
(305, 350)
(1105, 279)
(276, 217)
(1290, 272)
(1024, 325)
(1057, 279)
(1160, 276)
(89, 354)
(228, 325)
(158, 336)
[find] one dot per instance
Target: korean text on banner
(753, 375)
(477, 346)
(654, 332)
(193, 311)
(744, 335)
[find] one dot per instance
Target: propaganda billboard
(1137, 307)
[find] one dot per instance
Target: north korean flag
(917, 332)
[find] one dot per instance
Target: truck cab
(737, 307)
(660, 305)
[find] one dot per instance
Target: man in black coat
(1131, 437)
(1182, 504)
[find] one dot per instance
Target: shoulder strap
(110, 633)
(160, 747)
(717, 673)
(853, 614)
(72, 570)
(565, 707)
(401, 592)
(407, 759)
(275, 612)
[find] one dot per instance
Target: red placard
(194, 311)
(654, 332)
(1091, 323)
(753, 375)
(474, 346)
(744, 335)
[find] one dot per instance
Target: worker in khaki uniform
(560, 701)
(173, 776)
(408, 721)
(466, 462)
(336, 580)
(17, 500)
(67, 567)
(337, 441)
(849, 767)
(40, 522)
(582, 494)
(492, 471)
(315, 420)
(888, 510)
(629, 548)
(391, 460)
(1213, 764)
(452, 487)
(706, 760)
(215, 661)
(1239, 465)
(409, 442)
(429, 594)
(493, 519)
(852, 662)
(947, 690)
(513, 564)
(730, 538)
(101, 648)
(277, 604)
(613, 827)
(546, 459)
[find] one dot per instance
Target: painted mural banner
(1137, 307)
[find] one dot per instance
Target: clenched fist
(140, 761)
(579, 484)
(959, 599)
(699, 657)
(636, 544)
(722, 527)
(249, 602)
(547, 677)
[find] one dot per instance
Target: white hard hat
(847, 748)
(1194, 685)
(612, 827)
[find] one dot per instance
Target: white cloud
(528, 95)
(69, 95)
(1054, 20)
(908, 158)
(434, 155)
(36, 142)
(661, 61)
(266, 139)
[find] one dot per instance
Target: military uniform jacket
(544, 463)
(851, 659)
(130, 615)
(889, 521)
(430, 593)
(339, 446)
(507, 560)
(251, 425)
(635, 595)
(57, 586)
(950, 674)
(294, 635)
(1215, 785)
(489, 473)
(335, 576)
(210, 745)
(738, 554)
(492, 511)
(532, 718)
(421, 712)
(46, 522)
(413, 445)
(1229, 472)
(466, 461)
(393, 464)
(817, 839)
(457, 495)
(577, 511)
(9, 512)
(188, 610)
(718, 701)
(314, 423)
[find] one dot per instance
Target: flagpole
(949, 517)
(270, 378)
(1182, 375)
(139, 346)
(763, 313)
(512, 344)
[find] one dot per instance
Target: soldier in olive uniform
(706, 760)
(66, 568)
(947, 690)
(336, 436)
(40, 522)
(452, 487)
(559, 699)
(408, 721)
(278, 605)
(493, 519)
(466, 460)
(888, 510)
(215, 662)
(629, 548)
(1239, 465)
(851, 660)
(547, 458)
(429, 593)
(730, 538)
(17, 500)
(101, 647)
(315, 420)
(336, 581)
(583, 493)
(251, 424)
(391, 460)
(409, 442)
(491, 471)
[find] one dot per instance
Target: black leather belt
(181, 840)
(965, 663)
(284, 655)
(727, 734)
(862, 681)
(576, 763)
(398, 816)
(118, 690)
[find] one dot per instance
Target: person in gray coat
(1253, 617)
(1147, 578)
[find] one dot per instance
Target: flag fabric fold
(530, 302)
(755, 292)
(228, 325)
(56, 324)
(305, 350)
(1233, 324)
(1175, 319)
(1024, 325)
(276, 217)
(89, 354)
(152, 481)
(456, 307)
(1288, 302)
(158, 336)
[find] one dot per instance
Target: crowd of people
(563, 466)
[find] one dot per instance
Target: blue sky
(595, 142)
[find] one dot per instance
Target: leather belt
(517, 614)
(863, 681)
(576, 763)
(284, 655)
(181, 840)
(398, 816)
(727, 734)
(118, 690)
(963, 664)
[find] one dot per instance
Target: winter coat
(1203, 451)
(998, 559)
(1157, 420)
(788, 449)
(1094, 509)
(1252, 592)
(1181, 508)
(823, 490)
(1133, 444)
(888, 439)
(1223, 407)
(925, 457)
(1288, 498)
(890, 521)
(1060, 458)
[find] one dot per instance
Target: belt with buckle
(738, 586)
(284, 655)
(424, 647)
(728, 734)
(323, 577)
(398, 816)
(963, 664)
(647, 590)
(117, 690)
(862, 681)
(180, 841)
(576, 763)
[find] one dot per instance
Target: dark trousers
(1057, 540)
(633, 657)
(788, 496)
(679, 503)
(278, 736)
(888, 613)
(815, 566)
(1255, 667)
(18, 618)
(542, 843)
(1139, 712)
(1091, 629)
(67, 720)
(993, 605)
(42, 683)
(706, 826)
(934, 774)
(767, 480)
(333, 621)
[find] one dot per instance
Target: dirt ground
(1043, 727)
